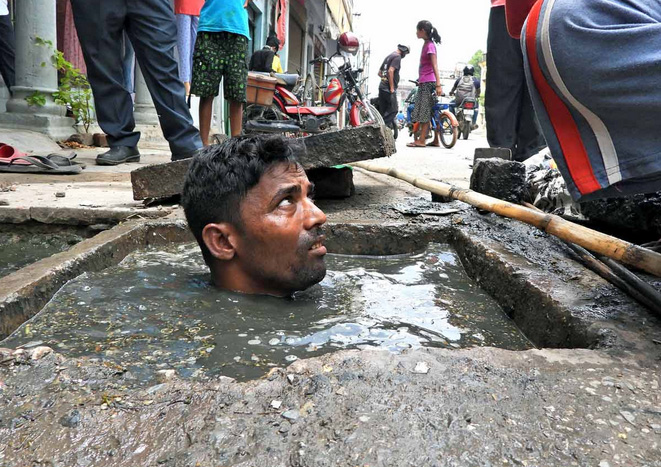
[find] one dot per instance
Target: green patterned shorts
(220, 55)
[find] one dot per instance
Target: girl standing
(429, 81)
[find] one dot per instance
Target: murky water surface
(20, 249)
(156, 310)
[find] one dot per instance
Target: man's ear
(221, 240)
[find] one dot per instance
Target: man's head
(249, 205)
(273, 42)
(403, 50)
(469, 70)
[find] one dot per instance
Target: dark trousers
(388, 107)
(7, 51)
(151, 28)
(511, 121)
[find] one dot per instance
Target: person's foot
(475, 127)
(119, 155)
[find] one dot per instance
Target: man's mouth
(318, 245)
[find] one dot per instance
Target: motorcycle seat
(286, 79)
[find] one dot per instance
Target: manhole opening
(385, 289)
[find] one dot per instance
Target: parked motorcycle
(290, 114)
(465, 112)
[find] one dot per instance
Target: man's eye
(285, 202)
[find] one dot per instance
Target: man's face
(280, 247)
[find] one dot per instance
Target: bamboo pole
(597, 242)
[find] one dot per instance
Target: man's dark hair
(221, 175)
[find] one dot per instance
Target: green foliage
(73, 91)
(37, 99)
(475, 61)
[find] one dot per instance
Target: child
(220, 53)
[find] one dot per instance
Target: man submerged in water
(249, 204)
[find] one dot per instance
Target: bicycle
(443, 121)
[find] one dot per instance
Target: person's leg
(236, 117)
(206, 110)
(505, 86)
(195, 20)
(128, 64)
(153, 33)
(100, 26)
(7, 56)
(235, 75)
(184, 48)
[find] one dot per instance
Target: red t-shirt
(188, 7)
(497, 3)
(516, 12)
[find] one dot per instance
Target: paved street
(449, 165)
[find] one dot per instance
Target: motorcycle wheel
(360, 116)
(449, 133)
(466, 130)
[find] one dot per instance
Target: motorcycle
(289, 112)
(465, 112)
(443, 121)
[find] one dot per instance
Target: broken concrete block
(499, 178)
(100, 140)
(330, 182)
(638, 214)
(322, 150)
(81, 138)
(489, 153)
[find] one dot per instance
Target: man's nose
(314, 216)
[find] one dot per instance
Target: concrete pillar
(145, 112)
(35, 73)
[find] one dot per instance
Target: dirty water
(157, 311)
(19, 249)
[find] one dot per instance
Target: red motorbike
(292, 113)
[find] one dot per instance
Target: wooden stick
(617, 275)
(597, 242)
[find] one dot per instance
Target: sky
(462, 25)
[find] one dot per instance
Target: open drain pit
(156, 311)
(20, 247)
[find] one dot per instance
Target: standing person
(151, 28)
(187, 13)
(429, 81)
(6, 46)
(220, 54)
(389, 74)
(510, 117)
(267, 60)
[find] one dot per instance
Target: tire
(449, 133)
(309, 91)
(466, 130)
(359, 115)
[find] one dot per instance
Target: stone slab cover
(322, 150)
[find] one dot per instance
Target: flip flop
(37, 164)
(8, 154)
(431, 145)
(413, 145)
(65, 160)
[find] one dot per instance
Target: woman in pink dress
(429, 83)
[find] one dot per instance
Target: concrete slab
(322, 150)
(29, 141)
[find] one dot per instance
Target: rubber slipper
(65, 160)
(432, 145)
(8, 154)
(413, 145)
(37, 164)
